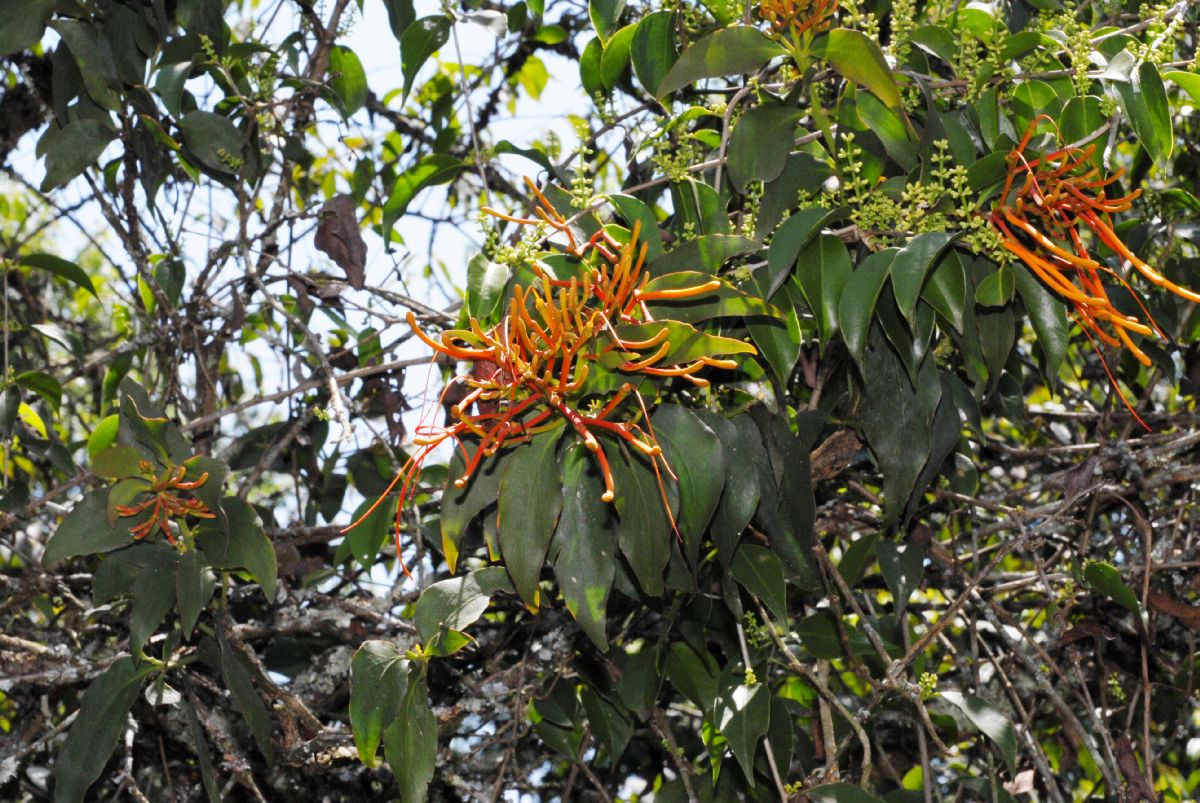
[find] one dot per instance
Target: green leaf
(641, 680)
(422, 39)
(996, 289)
(457, 603)
(86, 531)
(841, 793)
(654, 50)
(902, 566)
(60, 267)
(410, 742)
(611, 726)
(696, 456)
(118, 462)
(400, 15)
(892, 128)
(94, 735)
(43, 385)
(645, 532)
(739, 499)
(1189, 82)
(368, 535)
(688, 344)
(1047, 314)
(525, 529)
(946, 290)
(485, 289)
(460, 507)
(1106, 580)
(103, 436)
(246, 699)
(856, 307)
(911, 267)
(1144, 101)
(708, 253)
(859, 59)
(586, 534)
(823, 270)
(240, 545)
(760, 572)
(993, 724)
(788, 242)
(723, 302)
(742, 716)
(760, 144)
(729, 51)
(92, 51)
(780, 343)
(348, 79)
(72, 149)
(694, 676)
(591, 75)
(24, 23)
(194, 588)
(378, 682)
(154, 595)
(615, 57)
(214, 140)
(605, 16)
(436, 168)
(857, 558)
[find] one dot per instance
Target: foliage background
(925, 551)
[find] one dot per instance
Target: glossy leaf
(1047, 314)
(946, 290)
(760, 572)
(644, 534)
(729, 51)
(697, 457)
(902, 566)
(615, 57)
(605, 16)
(856, 307)
(213, 139)
(456, 603)
(823, 270)
(1144, 101)
(525, 529)
(25, 22)
(421, 39)
(859, 59)
(378, 682)
(240, 545)
(61, 268)
(996, 289)
(653, 50)
(611, 726)
(911, 267)
(348, 79)
(991, 722)
(460, 507)
(1105, 579)
(410, 742)
(743, 715)
(587, 537)
(760, 144)
(741, 495)
(194, 586)
(723, 302)
(86, 531)
(485, 289)
(154, 595)
(100, 723)
(433, 169)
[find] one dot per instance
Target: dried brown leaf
(339, 238)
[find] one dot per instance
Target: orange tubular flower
(1045, 205)
(798, 17)
(529, 372)
(165, 503)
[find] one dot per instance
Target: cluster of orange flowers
(798, 16)
(1046, 204)
(531, 369)
(165, 503)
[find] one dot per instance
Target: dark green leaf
(591, 75)
(708, 253)
(996, 289)
(760, 144)
(92, 51)
(1189, 82)
(86, 531)
(857, 558)
(741, 495)
(436, 168)
(241, 545)
(214, 140)
(370, 531)
(605, 16)
(760, 572)
(410, 742)
(1047, 314)
(841, 793)
(993, 724)
(858, 58)
(154, 595)
(856, 307)
(912, 265)
(525, 529)
(1144, 101)
(194, 588)
(696, 456)
(459, 507)
(742, 715)
(902, 566)
(422, 39)
(118, 462)
(587, 536)
(100, 724)
(378, 682)
(644, 534)
(654, 50)
(641, 680)
(348, 79)
(61, 267)
(823, 271)
(72, 149)
(729, 51)
(24, 23)
(456, 603)
(246, 699)
(694, 676)
(891, 127)
(400, 16)
(611, 726)
(43, 385)
(1105, 579)
(946, 290)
